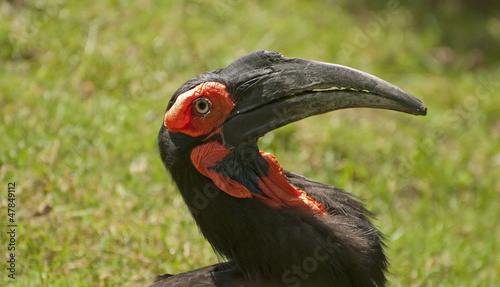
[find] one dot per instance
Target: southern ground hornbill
(275, 227)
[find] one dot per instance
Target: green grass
(84, 85)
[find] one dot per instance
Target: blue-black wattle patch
(244, 164)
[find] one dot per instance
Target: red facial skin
(182, 117)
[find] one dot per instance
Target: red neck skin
(278, 192)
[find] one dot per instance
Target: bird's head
(217, 115)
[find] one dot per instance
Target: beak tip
(422, 111)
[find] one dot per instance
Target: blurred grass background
(84, 85)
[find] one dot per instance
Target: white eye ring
(202, 106)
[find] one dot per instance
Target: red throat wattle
(279, 192)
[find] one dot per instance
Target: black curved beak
(272, 91)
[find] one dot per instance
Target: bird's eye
(202, 106)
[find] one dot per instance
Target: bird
(271, 226)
